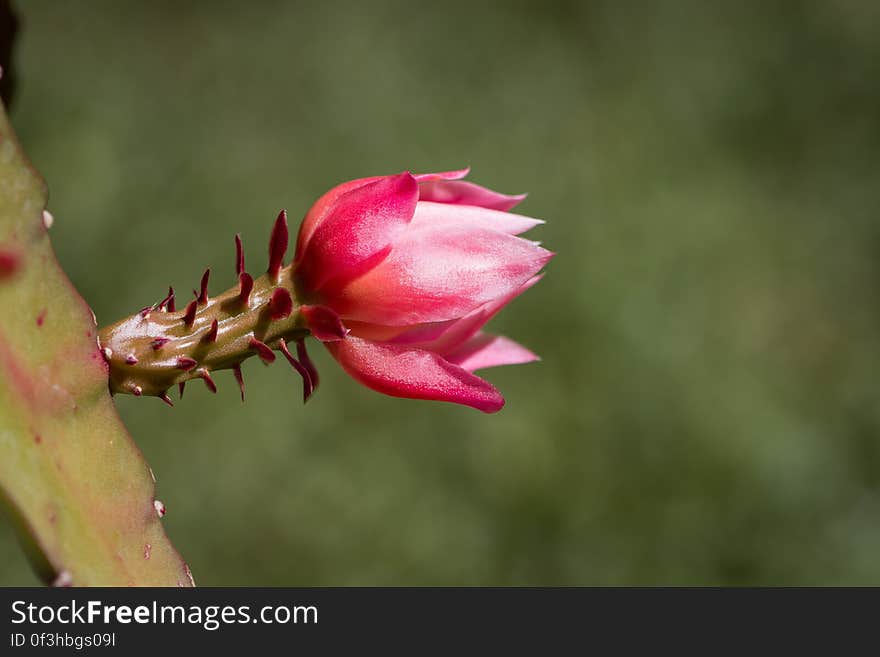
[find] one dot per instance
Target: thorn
(281, 304)
(190, 315)
(108, 353)
(145, 311)
(161, 306)
(308, 387)
(246, 281)
(165, 398)
(131, 359)
(303, 355)
(137, 391)
(211, 335)
(236, 370)
(170, 305)
(239, 256)
(158, 343)
(203, 373)
(203, 294)
(263, 351)
(180, 388)
(186, 363)
(277, 246)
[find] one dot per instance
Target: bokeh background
(707, 408)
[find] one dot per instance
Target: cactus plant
(72, 479)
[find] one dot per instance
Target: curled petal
(324, 323)
(459, 192)
(357, 231)
(437, 273)
(413, 373)
(428, 212)
(319, 211)
(443, 175)
(484, 350)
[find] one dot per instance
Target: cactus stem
(159, 342)
(300, 368)
(189, 315)
(165, 398)
(203, 290)
(186, 363)
(246, 283)
(206, 377)
(131, 359)
(211, 335)
(236, 371)
(263, 351)
(239, 256)
(280, 304)
(277, 246)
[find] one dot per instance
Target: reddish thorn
(263, 351)
(203, 295)
(308, 387)
(236, 370)
(239, 256)
(145, 311)
(41, 317)
(281, 304)
(180, 388)
(277, 245)
(131, 359)
(211, 335)
(304, 357)
(186, 363)
(165, 398)
(158, 343)
(203, 373)
(170, 306)
(167, 301)
(246, 281)
(190, 315)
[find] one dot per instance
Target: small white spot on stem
(160, 508)
(48, 219)
(64, 578)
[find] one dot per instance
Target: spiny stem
(159, 347)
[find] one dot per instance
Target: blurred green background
(706, 410)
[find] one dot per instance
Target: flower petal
(459, 192)
(429, 212)
(443, 175)
(319, 211)
(324, 323)
(440, 272)
(413, 373)
(484, 350)
(357, 232)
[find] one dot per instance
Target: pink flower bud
(403, 272)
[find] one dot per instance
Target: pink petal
(440, 337)
(413, 373)
(357, 232)
(440, 272)
(324, 323)
(484, 350)
(318, 212)
(428, 212)
(459, 192)
(444, 175)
